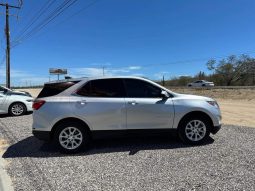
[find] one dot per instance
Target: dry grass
(237, 105)
(34, 92)
(233, 94)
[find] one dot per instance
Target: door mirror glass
(164, 94)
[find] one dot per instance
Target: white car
(201, 83)
(15, 103)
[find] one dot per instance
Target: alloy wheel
(17, 109)
(195, 130)
(70, 138)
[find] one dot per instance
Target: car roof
(70, 90)
(94, 78)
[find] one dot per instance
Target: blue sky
(148, 38)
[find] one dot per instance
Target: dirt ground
(237, 105)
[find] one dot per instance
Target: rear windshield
(55, 88)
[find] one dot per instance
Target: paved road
(226, 162)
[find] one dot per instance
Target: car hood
(193, 97)
(18, 93)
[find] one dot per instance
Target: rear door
(146, 109)
(101, 104)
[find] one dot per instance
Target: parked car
(72, 112)
(201, 83)
(15, 103)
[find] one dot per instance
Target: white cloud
(138, 74)
(100, 64)
(85, 72)
(134, 67)
(100, 71)
(20, 77)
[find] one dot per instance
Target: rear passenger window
(52, 89)
(103, 88)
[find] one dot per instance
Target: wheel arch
(65, 120)
(9, 107)
(196, 114)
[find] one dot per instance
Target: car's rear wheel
(194, 130)
(71, 137)
(17, 109)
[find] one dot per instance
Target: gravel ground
(225, 162)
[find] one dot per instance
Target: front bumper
(215, 129)
(42, 135)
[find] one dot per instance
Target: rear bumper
(42, 135)
(215, 129)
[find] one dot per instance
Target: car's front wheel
(71, 137)
(194, 130)
(17, 109)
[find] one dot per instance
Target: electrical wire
(17, 42)
(59, 10)
(42, 10)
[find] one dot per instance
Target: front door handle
(132, 102)
(82, 102)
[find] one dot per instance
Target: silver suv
(71, 112)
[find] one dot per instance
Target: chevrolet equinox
(71, 112)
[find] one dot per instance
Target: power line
(190, 60)
(59, 10)
(126, 67)
(16, 42)
(42, 10)
(79, 11)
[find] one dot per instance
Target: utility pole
(7, 33)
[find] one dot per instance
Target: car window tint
(55, 88)
(103, 88)
(85, 90)
(141, 89)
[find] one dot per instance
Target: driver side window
(141, 89)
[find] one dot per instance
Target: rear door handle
(132, 102)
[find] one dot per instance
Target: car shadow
(32, 147)
(7, 115)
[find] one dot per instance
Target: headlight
(213, 103)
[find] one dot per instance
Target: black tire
(184, 130)
(85, 138)
(189, 85)
(203, 85)
(17, 105)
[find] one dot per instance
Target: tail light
(38, 104)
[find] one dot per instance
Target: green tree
(232, 69)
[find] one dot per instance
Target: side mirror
(164, 94)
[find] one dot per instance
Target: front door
(146, 109)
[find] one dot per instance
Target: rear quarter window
(55, 88)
